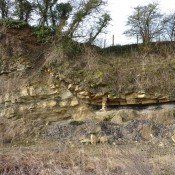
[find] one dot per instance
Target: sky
(120, 10)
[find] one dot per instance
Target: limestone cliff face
(30, 95)
(26, 88)
(30, 89)
(34, 94)
(43, 99)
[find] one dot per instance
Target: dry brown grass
(20, 130)
(58, 158)
(151, 73)
(89, 160)
(150, 70)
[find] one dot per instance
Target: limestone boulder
(82, 112)
(74, 102)
(66, 95)
(117, 116)
(125, 115)
(173, 138)
(117, 119)
(64, 103)
(94, 139)
(103, 139)
(146, 132)
(24, 92)
(105, 115)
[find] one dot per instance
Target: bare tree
(169, 23)
(101, 24)
(45, 11)
(63, 11)
(71, 19)
(4, 8)
(145, 23)
(23, 9)
(88, 21)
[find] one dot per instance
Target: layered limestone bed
(25, 88)
(36, 101)
(42, 99)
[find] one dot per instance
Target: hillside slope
(74, 109)
(43, 83)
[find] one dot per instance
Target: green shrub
(43, 33)
(13, 23)
(71, 48)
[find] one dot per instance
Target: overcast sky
(121, 9)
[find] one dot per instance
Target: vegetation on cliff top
(118, 69)
(60, 19)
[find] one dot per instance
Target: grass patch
(148, 69)
(13, 23)
(87, 160)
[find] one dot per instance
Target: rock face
(28, 92)
(36, 99)
(42, 99)
(134, 98)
